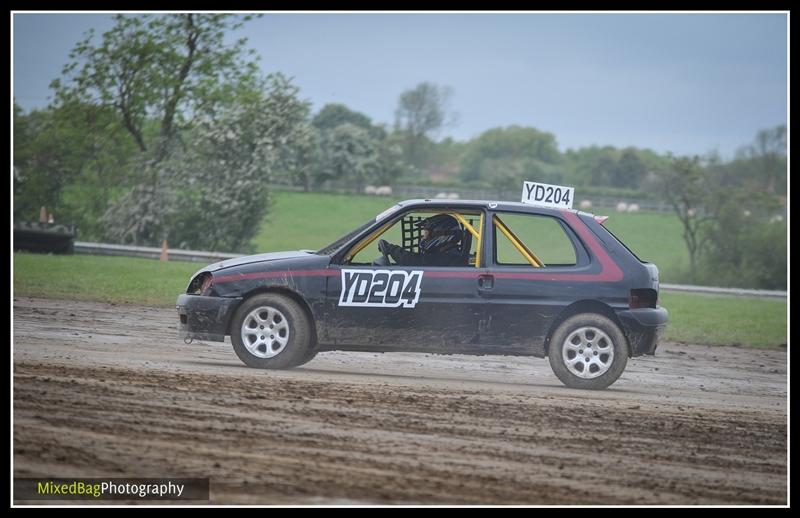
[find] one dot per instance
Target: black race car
(520, 280)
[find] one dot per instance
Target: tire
(588, 351)
(310, 355)
(286, 344)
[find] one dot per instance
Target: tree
(592, 165)
(69, 159)
(332, 115)
(390, 159)
(349, 153)
(503, 156)
(161, 75)
(164, 68)
(352, 149)
(685, 186)
(217, 194)
(299, 163)
(746, 243)
(764, 161)
(630, 170)
(421, 113)
(734, 228)
(298, 139)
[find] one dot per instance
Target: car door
(410, 308)
(534, 261)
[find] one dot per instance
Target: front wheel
(271, 331)
(588, 351)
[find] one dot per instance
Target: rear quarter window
(605, 234)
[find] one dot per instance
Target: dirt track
(103, 390)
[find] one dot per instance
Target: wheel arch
(585, 306)
(280, 290)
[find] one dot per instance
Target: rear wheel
(588, 351)
(271, 331)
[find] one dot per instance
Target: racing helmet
(444, 233)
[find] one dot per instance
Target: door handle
(485, 282)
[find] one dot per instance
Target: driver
(441, 235)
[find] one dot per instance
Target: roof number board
(545, 195)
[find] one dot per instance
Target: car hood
(258, 258)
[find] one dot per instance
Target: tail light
(643, 298)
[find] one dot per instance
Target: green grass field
(111, 279)
(693, 318)
(313, 220)
(715, 320)
(309, 221)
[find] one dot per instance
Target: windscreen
(336, 245)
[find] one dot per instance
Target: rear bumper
(644, 328)
(205, 318)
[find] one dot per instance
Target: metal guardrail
(198, 256)
(195, 256)
(739, 292)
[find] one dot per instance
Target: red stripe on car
(275, 274)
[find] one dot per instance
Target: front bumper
(644, 328)
(205, 318)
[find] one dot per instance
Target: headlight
(201, 284)
(206, 284)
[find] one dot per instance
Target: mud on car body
(534, 281)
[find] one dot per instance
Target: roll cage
(469, 218)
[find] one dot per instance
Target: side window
(370, 252)
(531, 240)
(404, 232)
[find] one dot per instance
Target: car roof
(513, 206)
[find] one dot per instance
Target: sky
(680, 83)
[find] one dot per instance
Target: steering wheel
(384, 254)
